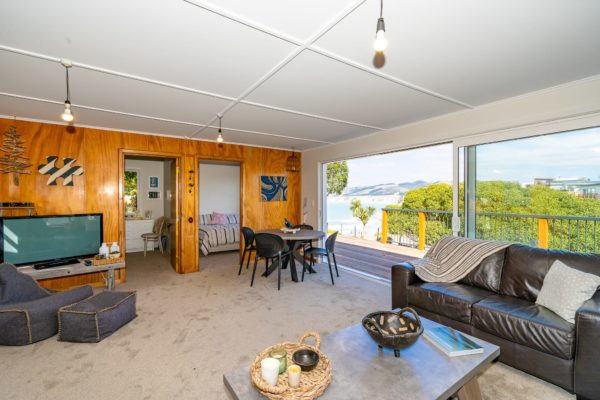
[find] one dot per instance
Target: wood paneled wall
(99, 152)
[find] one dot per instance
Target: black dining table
(294, 241)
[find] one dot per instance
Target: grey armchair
(28, 312)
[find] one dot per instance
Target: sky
(565, 155)
(430, 164)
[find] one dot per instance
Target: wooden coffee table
(362, 371)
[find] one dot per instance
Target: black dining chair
(270, 247)
(307, 244)
(328, 250)
(248, 246)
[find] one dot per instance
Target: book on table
(452, 342)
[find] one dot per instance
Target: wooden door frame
(240, 161)
(143, 153)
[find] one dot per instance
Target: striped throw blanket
(212, 236)
(452, 258)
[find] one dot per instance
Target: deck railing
(422, 228)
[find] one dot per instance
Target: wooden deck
(372, 257)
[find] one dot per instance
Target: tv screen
(36, 239)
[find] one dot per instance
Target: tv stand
(74, 269)
(56, 263)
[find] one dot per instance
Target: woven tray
(312, 383)
(106, 261)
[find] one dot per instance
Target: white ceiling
(284, 74)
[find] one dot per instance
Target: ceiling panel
(171, 41)
(249, 117)
(298, 19)
(477, 51)
(44, 79)
(257, 140)
(319, 85)
(22, 108)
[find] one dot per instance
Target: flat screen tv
(43, 239)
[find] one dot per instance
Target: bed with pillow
(219, 232)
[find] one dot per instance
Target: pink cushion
(219, 219)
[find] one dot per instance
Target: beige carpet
(193, 328)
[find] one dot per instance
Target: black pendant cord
(220, 124)
(381, 10)
(68, 88)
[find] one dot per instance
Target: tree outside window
(131, 192)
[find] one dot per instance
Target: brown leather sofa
(496, 302)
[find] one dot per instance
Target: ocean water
(339, 216)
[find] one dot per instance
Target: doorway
(388, 208)
(219, 206)
(150, 206)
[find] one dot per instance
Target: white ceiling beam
(207, 6)
(299, 49)
(390, 78)
(305, 114)
(272, 32)
(174, 86)
(116, 73)
(174, 121)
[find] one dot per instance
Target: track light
(381, 42)
(220, 137)
(67, 115)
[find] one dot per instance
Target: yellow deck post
(384, 226)
(421, 231)
(543, 233)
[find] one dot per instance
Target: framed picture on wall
(153, 182)
(153, 195)
(273, 188)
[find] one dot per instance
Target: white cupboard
(134, 228)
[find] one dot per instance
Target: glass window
(541, 191)
(131, 192)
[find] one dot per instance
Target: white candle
(269, 370)
(293, 376)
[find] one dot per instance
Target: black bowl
(395, 330)
(306, 359)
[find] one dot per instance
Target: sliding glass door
(541, 191)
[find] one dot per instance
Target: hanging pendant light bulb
(381, 42)
(220, 137)
(67, 115)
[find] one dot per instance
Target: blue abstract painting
(273, 188)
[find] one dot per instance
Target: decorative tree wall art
(273, 188)
(67, 172)
(13, 161)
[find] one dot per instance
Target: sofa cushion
(16, 287)
(526, 267)
(525, 323)
(451, 300)
(565, 290)
(487, 275)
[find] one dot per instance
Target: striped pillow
(206, 219)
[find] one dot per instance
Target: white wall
(219, 188)
(146, 169)
(572, 106)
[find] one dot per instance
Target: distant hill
(384, 189)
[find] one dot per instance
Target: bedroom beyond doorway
(219, 206)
